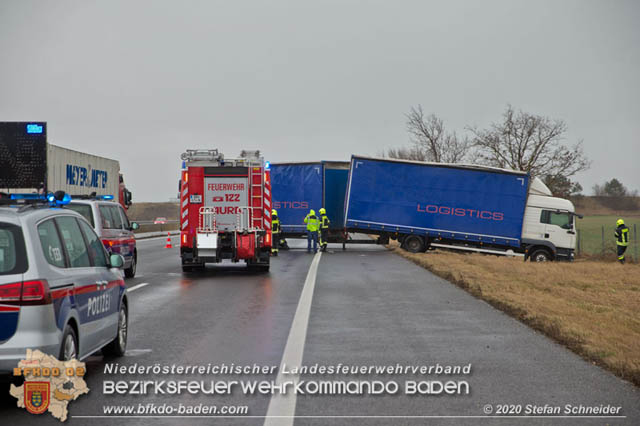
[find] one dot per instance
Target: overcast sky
(141, 81)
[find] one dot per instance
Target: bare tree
(430, 140)
(530, 143)
(410, 153)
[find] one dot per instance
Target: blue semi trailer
(300, 187)
(476, 208)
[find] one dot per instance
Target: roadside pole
(635, 241)
(603, 240)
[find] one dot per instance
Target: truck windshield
(13, 256)
(84, 210)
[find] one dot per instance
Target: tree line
(518, 141)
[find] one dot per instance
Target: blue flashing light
(184, 165)
(65, 200)
(26, 197)
(34, 128)
(51, 198)
(106, 197)
(267, 165)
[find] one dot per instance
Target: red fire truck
(225, 209)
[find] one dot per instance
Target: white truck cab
(548, 230)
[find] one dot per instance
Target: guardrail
(144, 235)
(152, 222)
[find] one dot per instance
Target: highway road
(362, 307)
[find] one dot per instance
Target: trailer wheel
(414, 244)
(540, 255)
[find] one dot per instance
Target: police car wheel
(69, 348)
(130, 272)
(118, 346)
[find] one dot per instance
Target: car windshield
(84, 210)
(13, 256)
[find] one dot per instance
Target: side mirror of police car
(116, 261)
(134, 226)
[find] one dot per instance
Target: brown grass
(591, 307)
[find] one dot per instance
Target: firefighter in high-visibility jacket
(622, 239)
(313, 225)
(275, 232)
(324, 229)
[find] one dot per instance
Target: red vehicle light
(10, 293)
(107, 243)
(26, 293)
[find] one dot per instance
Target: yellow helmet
(312, 212)
(322, 211)
(274, 212)
(620, 222)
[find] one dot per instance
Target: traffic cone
(168, 245)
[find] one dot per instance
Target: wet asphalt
(370, 308)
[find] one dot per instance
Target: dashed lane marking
(282, 408)
(136, 287)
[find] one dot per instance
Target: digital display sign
(23, 155)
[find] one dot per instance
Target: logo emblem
(36, 396)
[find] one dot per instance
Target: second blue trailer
(300, 187)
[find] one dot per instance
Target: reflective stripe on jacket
(324, 222)
(312, 223)
(622, 235)
(275, 225)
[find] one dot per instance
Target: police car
(112, 225)
(60, 291)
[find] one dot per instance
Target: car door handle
(546, 235)
(571, 232)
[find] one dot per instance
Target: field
(150, 211)
(589, 306)
(591, 236)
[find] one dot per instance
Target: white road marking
(285, 405)
(137, 352)
(135, 287)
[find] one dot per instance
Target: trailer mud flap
(246, 246)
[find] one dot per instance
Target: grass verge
(593, 308)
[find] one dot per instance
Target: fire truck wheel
(259, 267)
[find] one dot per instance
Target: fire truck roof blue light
(267, 165)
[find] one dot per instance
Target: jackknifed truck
(462, 207)
(225, 209)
